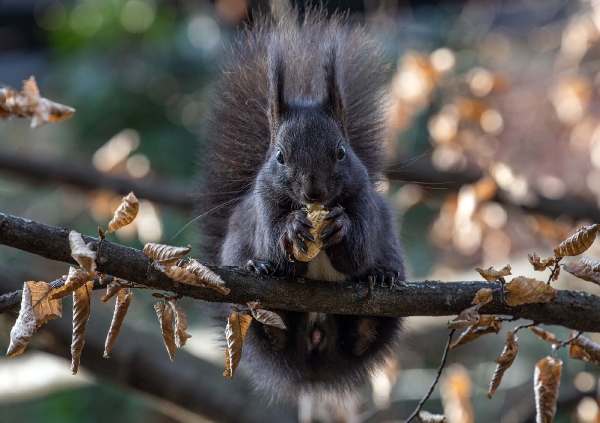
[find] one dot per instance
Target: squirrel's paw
(387, 278)
(336, 231)
(296, 225)
(259, 267)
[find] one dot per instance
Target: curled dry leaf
(164, 312)
(36, 309)
(539, 264)
(81, 314)
(522, 290)
(316, 214)
(584, 349)
(195, 273)
(166, 255)
(466, 318)
(121, 307)
(181, 322)
(235, 333)
(76, 278)
(125, 214)
(545, 335)
(587, 269)
(456, 395)
(579, 242)
(492, 275)
(487, 324)
(265, 317)
(546, 382)
(483, 296)
(427, 417)
(503, 362)
(29, 104)
(82, 253)
(111, 289)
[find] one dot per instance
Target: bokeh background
(494, 152)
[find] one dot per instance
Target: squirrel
(298, 117)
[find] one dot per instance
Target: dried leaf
(181, 322)
(579, 242)
(316, 214)
(427, 417)
(29, 104)
(121, 307)
(456, 395)
(545, 335)
(522, 290)
(235, 333)
(195, 273)
(483, 296)
(82, 253)
(265, 316)
(505, 360)
(166, 255)
(76, 278)
(111, 289)
(584, 349)
(587, 269)
(81, 314)
(492, 275)
(36, 309)
(538, 264)
(466, 318)
(546, 382)
(487, 324)
(164, 312)
(125, 214)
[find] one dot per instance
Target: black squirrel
(298, 117)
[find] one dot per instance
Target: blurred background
(494, 152)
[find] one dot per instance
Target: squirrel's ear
(277, 105)
(333, 102)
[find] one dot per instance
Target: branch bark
(572, 309)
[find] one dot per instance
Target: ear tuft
(333, 102)
(277, 105)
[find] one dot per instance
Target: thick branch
(572, 309)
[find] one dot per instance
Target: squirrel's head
(310, 157)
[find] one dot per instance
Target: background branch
(429, 298)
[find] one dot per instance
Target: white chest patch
(320, 269)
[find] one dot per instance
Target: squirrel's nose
(314, 194)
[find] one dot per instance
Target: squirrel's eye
(279, 157)
(341, 152)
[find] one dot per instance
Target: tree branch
(572, 309)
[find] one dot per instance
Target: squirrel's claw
(259, 267)
(387, 278)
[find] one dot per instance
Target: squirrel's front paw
(336, 231)
(296, 225)
(260, 267)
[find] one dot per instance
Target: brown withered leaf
(427, 417)
(587, 269)
(121, 307)
(492, 275)
(111, 289)
(164, 312)
(125, 214)
(166, 255)
(483, 296)
(266, 317)
(235, 333)
(584, 349)
(545, 335)
(82, 253)
(76, 278)
(36, 309)
(487, 324)
(579, 242)
(181, 322)
(29, 104)
(194, 273)
(456, 395)
(546, 382)
(81, 314)
(539, 264)
(503, 362)
(466, 318)
(522, 290)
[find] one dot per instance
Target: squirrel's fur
(303, 88)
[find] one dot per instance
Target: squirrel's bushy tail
(237, 137)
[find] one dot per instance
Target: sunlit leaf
(503, 362)
(539, 264)
(181, 323)
(587, 269)
(487, 324)
(265, 316)
(546, 382)
(166, 255)
(164, 312)
(579, 242)
(125, 213)
(82, 253)
(121, 307)
(235, 333)
(492, 275)
(81, 314)
(522, 290)
(76, 279)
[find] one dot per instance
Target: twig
(435, 381)
(553, 270)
